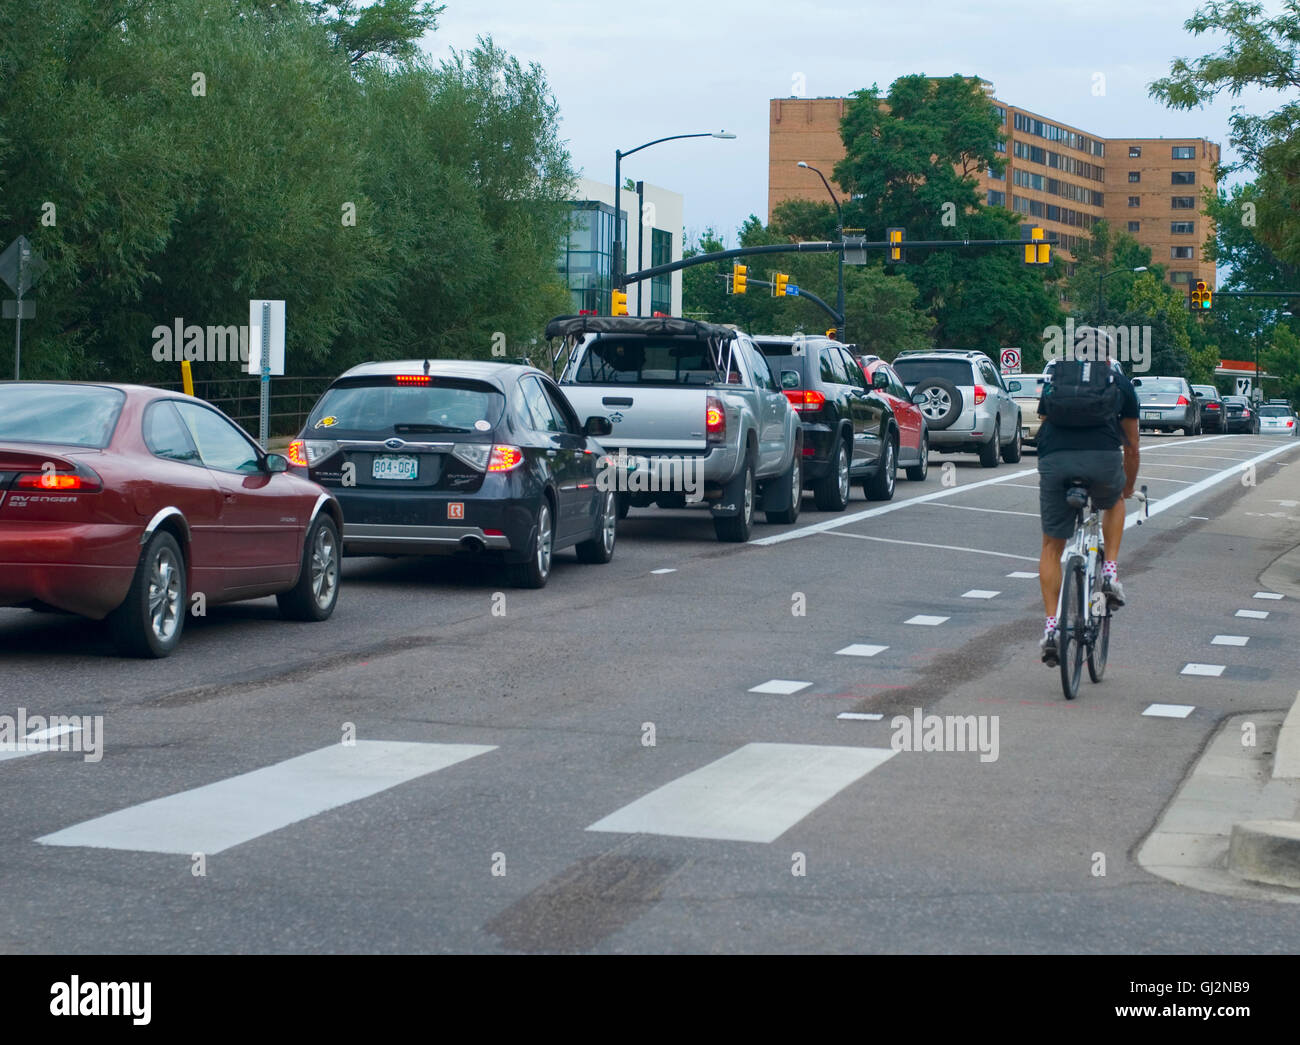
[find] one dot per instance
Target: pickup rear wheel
(831, 492)
(736, 528)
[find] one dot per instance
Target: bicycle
(1083, 624)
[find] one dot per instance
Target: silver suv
(966, 404)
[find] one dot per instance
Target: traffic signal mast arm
(795, 291)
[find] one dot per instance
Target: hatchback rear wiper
(427, 428)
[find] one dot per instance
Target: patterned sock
(1110, 569)
(1050, 627)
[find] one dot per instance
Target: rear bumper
(381, 539)
(82, 568)
(1165, 418)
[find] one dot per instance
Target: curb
(1266, 851)
(1286, 762)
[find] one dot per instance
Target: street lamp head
(723, 134)
(1140, 268)
(801, 164)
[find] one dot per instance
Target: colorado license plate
(395, 466)
(1150, 415)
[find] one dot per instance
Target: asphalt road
(589, 768)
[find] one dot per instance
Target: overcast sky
(625, 75)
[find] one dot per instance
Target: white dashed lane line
(1208, 670)
(1023, 575)
(860, 716)
(784, 687)
(1229, 640)
(860, 649)
(1267, 595)
(925, 620)
(980, 593)
(1253, 614)
(656, 573)
(1169, 710)
(942, 547)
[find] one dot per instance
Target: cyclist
(1089, 431)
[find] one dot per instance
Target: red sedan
(914, 440)
(138, 505)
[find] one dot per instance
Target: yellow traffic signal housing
(1037, 250)
(1202, 296)
(779, 283)
(894, 255)
(738, 279)
(618, 303)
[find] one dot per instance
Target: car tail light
(297, 453)
(1245, 413)
(809, 450)
(494, 533)
(1182, 401)
(476, 455)
(806, 400)
(1290, 424)
(413, 379)
(1211, 406)
(505, 458)
(981, 394)
(60, 482)
(715, 420)
(315, 450)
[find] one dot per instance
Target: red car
(914, 440)
(119, 501)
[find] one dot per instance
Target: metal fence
(241, 397)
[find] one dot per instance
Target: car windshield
(380, 406)
(66, 415)
(914, 371)
(1157, 386)
(635, 360)
(1274, 411)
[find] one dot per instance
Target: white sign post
(1011, 360)
(266, 353)
(1243, 386)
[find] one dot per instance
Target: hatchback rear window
(381, 406)
(914, 371)
(65, 415)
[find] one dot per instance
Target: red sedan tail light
(981, 394)
(84, 481)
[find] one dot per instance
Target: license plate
(1150, 415)
(395, 466)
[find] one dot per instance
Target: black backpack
(1082, 394)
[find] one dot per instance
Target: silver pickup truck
(697, 408)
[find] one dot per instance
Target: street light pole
(841, 330)
(617, 269)
(1104, 275)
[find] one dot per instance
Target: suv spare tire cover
(935, 420)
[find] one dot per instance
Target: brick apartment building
(1057, 176)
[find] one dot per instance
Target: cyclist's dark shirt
(1052, 438)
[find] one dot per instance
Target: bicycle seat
(1077, 495)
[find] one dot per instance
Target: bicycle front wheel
(1071, 627)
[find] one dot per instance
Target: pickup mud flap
(726, 500)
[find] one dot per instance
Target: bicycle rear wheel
(1071, 627)
(1099, 647)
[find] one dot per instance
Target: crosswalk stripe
(35, 743)
(755, 794)
(227, 813)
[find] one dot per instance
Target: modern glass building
(586, 259)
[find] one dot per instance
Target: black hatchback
(849, 430)
(437, 457)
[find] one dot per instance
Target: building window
(1134, 151)
(997, 199)
(1184, 152)
(1182, 253)
(995, 175)
(1182, 177)
(1135, 201)
(1134, 226)
(1182, 228)
(1183, 202)
(1134, 176)
(1180, 277)
(661, 287)
(586, 256)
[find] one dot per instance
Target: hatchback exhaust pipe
(472, 543)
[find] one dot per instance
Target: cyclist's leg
(1108, 494)
(1049, 573)
(1057, 526)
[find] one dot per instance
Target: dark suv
(849, 430)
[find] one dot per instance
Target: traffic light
(618, 303)
(1202, 296)
(779, 284)
(738, 279)
(1037, 250)
(894, 255)
(831, 333)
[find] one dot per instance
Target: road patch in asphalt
(215, 817)
(754, 794)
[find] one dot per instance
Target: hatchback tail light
(1182, 401)
(297, 453)
(981, 394)
(505, 458)
(715, 420)
(80, 481)
(413, 379)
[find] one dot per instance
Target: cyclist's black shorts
(1103, 468)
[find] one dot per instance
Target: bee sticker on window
(327, 422)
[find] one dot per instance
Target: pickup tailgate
(646, 419)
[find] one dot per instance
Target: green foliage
(185, 195)
(1281, 356)
(1261, 52)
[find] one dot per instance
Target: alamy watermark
(623, 474)
(920, 732)
(26, 734)
(219, 344)
(1130, 345)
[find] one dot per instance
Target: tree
(1264, 53)
(384, 29)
